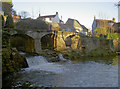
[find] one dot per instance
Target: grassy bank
(73, 55)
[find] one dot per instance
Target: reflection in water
(84, 72)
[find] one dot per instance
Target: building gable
(50, 18)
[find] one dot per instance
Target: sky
(81, 10)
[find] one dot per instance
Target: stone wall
(61, 39)
(116, 44)
(82, 43)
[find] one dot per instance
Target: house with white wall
(50, 18)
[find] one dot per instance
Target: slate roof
(104, 23)
(48, 16)
(84, 28)
(70, 24)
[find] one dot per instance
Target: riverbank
(100, 52)
(12, 61)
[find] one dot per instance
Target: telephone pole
(119, 11)
(32, 13)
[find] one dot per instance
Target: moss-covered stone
(100, 52)
(51, 56)
(12, 61)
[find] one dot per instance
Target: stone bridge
(36, 41)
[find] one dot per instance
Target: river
(86, 72)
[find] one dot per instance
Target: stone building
(73, 25)
(101, 23)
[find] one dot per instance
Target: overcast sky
(81, 10)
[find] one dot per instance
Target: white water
(61, 57)
(22, 53)
(38, 63)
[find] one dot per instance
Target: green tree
(2, 21)
(103, 31)
(5, 38)
(9, 22)
(24, 14)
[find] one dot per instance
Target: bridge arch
(68, 40)
(22, 42)
(48, 41)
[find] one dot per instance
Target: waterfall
(38, 63)
(61, 57)
(36, 60)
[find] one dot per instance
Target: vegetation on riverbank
(99, 52)
(109, 33)
(116, 40)
(113, 36)
(12, 61)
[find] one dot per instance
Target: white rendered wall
(48, 20)
(56, 19)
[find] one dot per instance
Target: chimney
(94, 17)
(119, 11)
(56, 13)
(113, 19)
(39, 15)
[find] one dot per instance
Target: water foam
(38, 63)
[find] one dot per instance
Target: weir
(38, 63)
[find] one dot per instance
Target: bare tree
(14, 12)
(117, 4)
(23, 14)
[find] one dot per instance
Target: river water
(85, 72)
